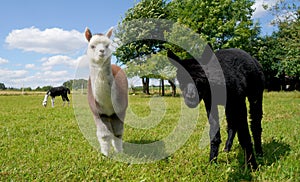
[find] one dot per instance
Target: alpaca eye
(107, 46)
(92, 46)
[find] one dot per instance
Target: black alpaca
(57, 91)
(225, 78)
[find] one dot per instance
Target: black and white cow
(57, 91)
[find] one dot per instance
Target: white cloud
(61, 60)
(22, 78)
(286, 16)
(57, 60)
(29, 66)
(48, 41)
(3, 61)
(258, 7)
(12, 73)
(13, 78)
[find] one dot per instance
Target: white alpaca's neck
(101, 81)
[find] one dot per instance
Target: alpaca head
(187, 80)
(99, 50)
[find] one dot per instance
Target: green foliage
(289, 41)
(280, 52)
(138, 31)
(269, 56)
(155, 66)
(223, 23)
(46, 88)
(145, 29)
(76, 84)
(2, 86)
(184, 42)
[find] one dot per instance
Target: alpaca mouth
(191, 103)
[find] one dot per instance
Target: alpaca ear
(173, 56)
(88, 34)
(175, 60)
(109, 32)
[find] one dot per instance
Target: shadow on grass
(144, 151)
(273, 151)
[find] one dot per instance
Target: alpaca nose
(101, 50)
(190, 95)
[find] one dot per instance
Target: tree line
(222, 23)
(75, 84)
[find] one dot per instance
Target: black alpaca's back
(243, 74)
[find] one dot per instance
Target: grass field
(55, 144)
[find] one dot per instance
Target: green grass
(59, 144)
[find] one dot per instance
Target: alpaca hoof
(213, 160)
(254, 167)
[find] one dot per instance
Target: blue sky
(42, 42)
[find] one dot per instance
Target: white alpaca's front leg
(117, 143)
(105, 142)
(104, 135)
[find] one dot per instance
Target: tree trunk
(173, 86)
(145, 82)
(162, 87)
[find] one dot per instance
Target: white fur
(99, 54)
(52, 101)
(102, 80)
(45, 100)
(102, 83)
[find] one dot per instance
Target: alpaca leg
(52, 101)
(104, 142)
(68, 100)
(45, 100)
(64, 101)
(229, 142)
(244, 136)
(118, 129)
(214, 145)
(231, 128)
(117, 143)
(245, 141)
(214, 132)
(256, 129)
(104, 134)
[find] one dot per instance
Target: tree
(138, 31)
(76, 84)
(163, 70)
(140, 67)
(154, 66)
(139, 35)
(283, 53)
(2, 86)
(269, 54)
(289, 38)
(223, 23)
(46, 88)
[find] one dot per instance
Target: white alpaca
(107, 92)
